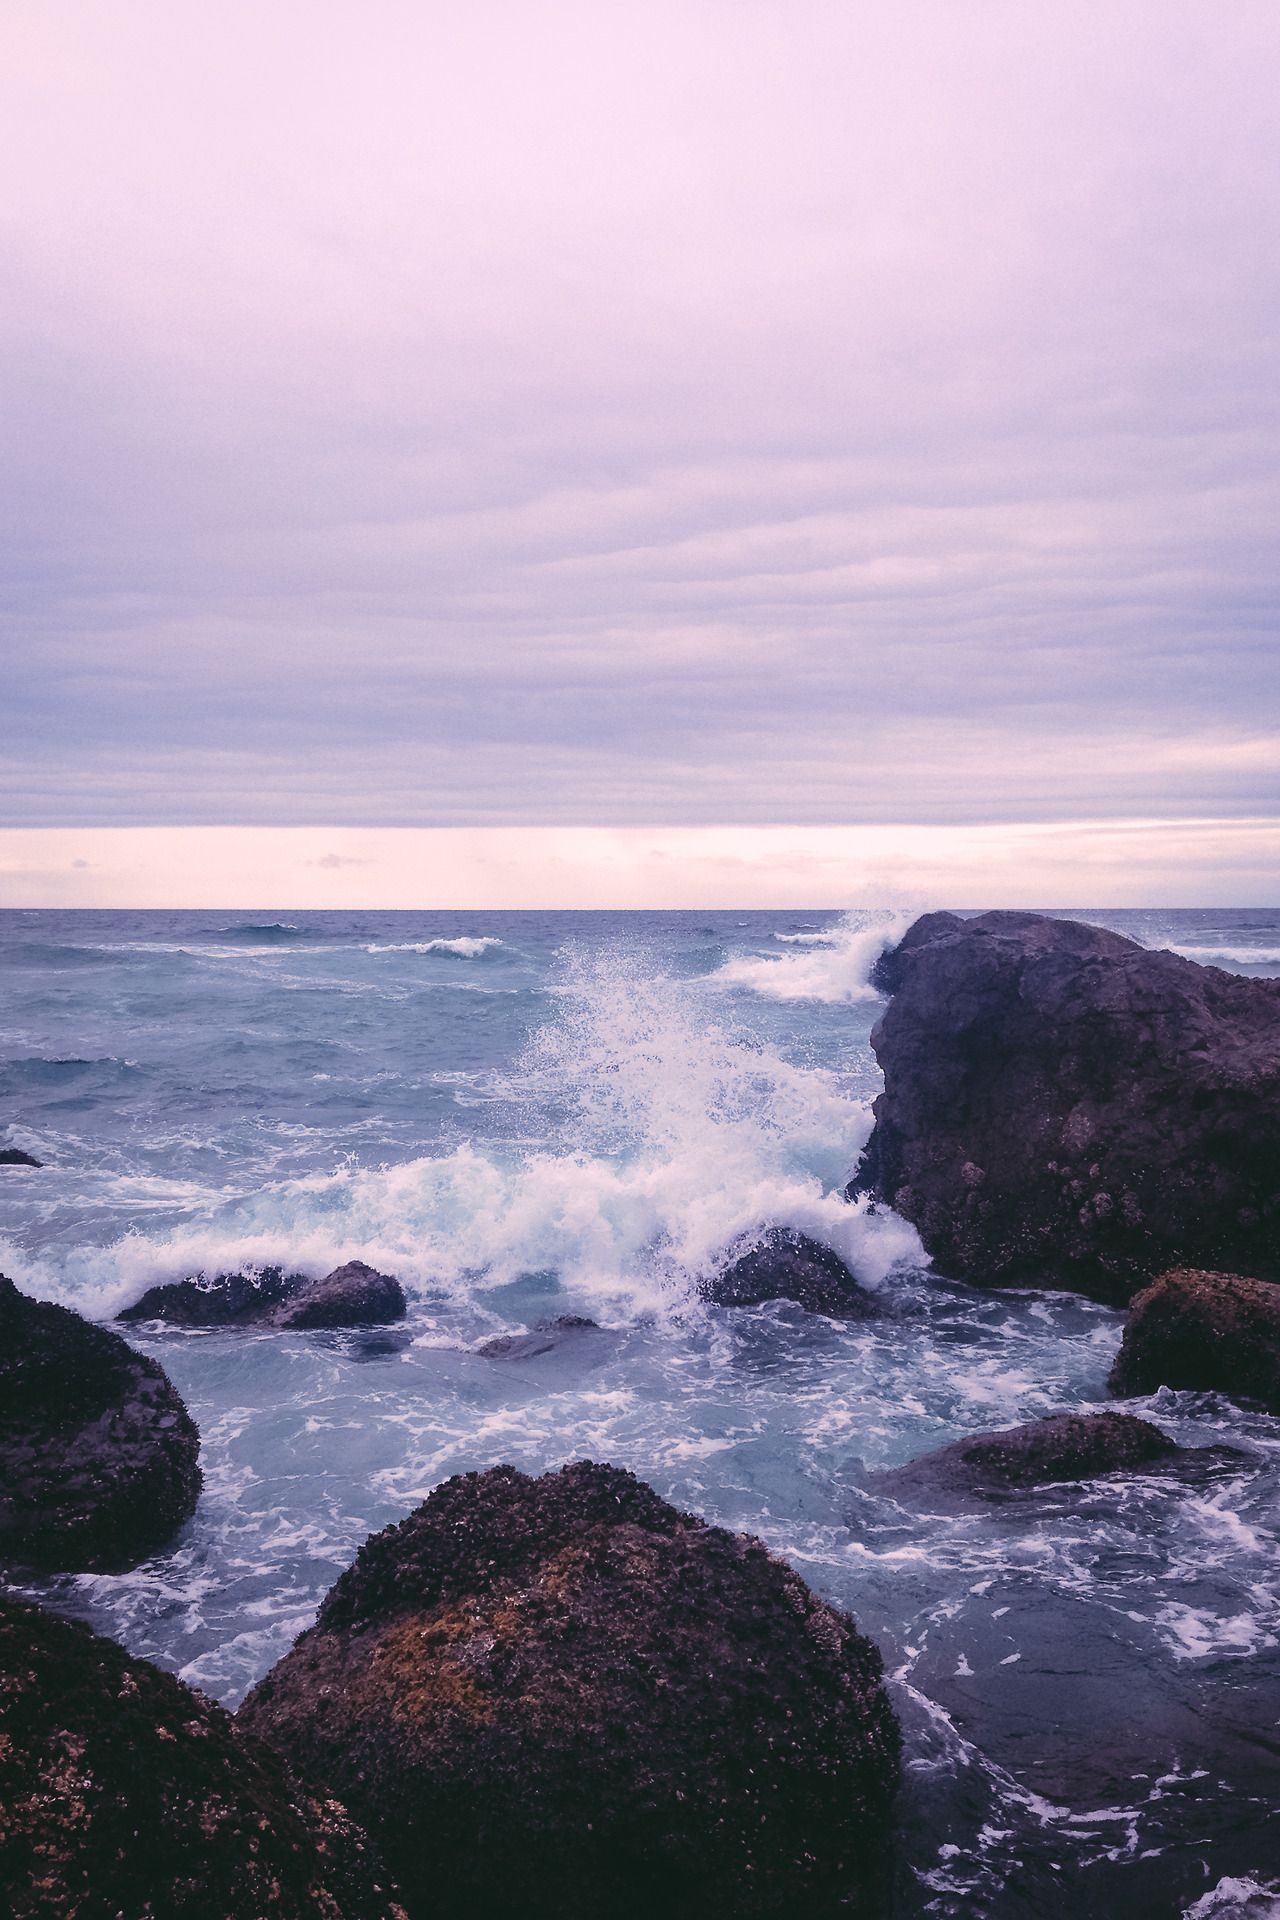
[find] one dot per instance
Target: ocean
(525, 1115)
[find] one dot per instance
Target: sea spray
(679, 1137)
(833, 965)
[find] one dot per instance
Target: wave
(464, 948)
(680, 1138)
(262, 933)
(1231, 956)
(43, 954)
(42, 1070)
(832, 966)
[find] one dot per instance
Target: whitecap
(681, 1138)
(466, 947)
(833, 966)
(1237, 1897)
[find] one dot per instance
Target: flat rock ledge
(563, 1697)
(993, 1466)
(354, 1295)
(122, 1792)
(788, 1265)
(1205, 1333)
(99, 1458)
(1063, 1107)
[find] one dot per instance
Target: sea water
(525, 1115)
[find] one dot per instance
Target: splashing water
(832, 966)
(1085, 1677)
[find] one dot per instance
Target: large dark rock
(1064, 1107)
(123, 1793)
(15, 1157)
(564, 1698)
(1206, 1332)
(99, 1459)
(787, 1265)
(354, 1295)
(1064, 1446)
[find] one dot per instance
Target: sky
(649, 418)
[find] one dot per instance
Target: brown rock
(562, 1697)
(1064, 1107)
(124, 1793)
(1206, 1333)
(99, 1458)
(1064, 1446)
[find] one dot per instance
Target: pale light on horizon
(1097, 863)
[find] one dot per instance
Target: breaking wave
(464, 948)
(679, 1138)
(831, 966)
(1232, 956)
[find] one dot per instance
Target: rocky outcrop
(1205, 1332)
(787, 1265)
(124, 1793)
(987, 1466)
(562, 1697)
(15, 1157)
(99, 1459)
(1064, 1107)
(354, 1295)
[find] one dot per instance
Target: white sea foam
(682, 1137)
(1238, 1897)
(1231, 956)
(831, 966)
(466, 947)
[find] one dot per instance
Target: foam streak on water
(529, 1115)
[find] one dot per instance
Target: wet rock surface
(564, 1697)
(123, 1793)
(1065, 1107)
(1203, 1332)
(787, 1265)
(354, 1295)
(545, 1336)
(15, 1157)
(1062, 1447)
(99, 1458)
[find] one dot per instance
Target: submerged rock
(1064, 1446)
(99, 1458)
(15, 1157)
(563, 1697)
(123, 1793)
(1206, 1333)
(787, 1265)
(1064, 1107)
(354, 1295)
(543, 1337)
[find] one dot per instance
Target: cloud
(333, 861)
(640, 414)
